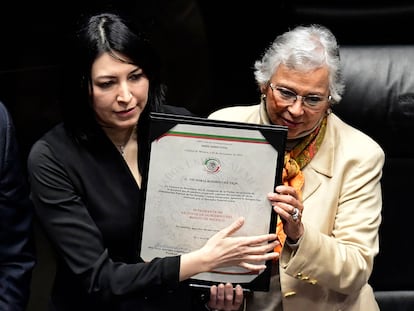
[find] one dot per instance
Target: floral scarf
(295, 161)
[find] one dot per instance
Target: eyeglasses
(290, 97)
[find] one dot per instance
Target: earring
(328, 111)
(263, 97)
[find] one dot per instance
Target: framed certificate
(203, 175)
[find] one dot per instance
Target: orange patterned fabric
(295, 160)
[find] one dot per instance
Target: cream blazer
(330, 268)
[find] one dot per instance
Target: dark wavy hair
(97, 34)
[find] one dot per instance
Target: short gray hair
(303, 48)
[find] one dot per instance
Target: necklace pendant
(121, 150)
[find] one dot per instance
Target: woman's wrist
(193, 263)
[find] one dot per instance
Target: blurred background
(207, 47)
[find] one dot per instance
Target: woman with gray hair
(329, 204)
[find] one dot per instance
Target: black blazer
(91, 208)
(17, 257)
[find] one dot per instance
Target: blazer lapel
(321, 164)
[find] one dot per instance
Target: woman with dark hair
(88, 179)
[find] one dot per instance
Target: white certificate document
(201, 179)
